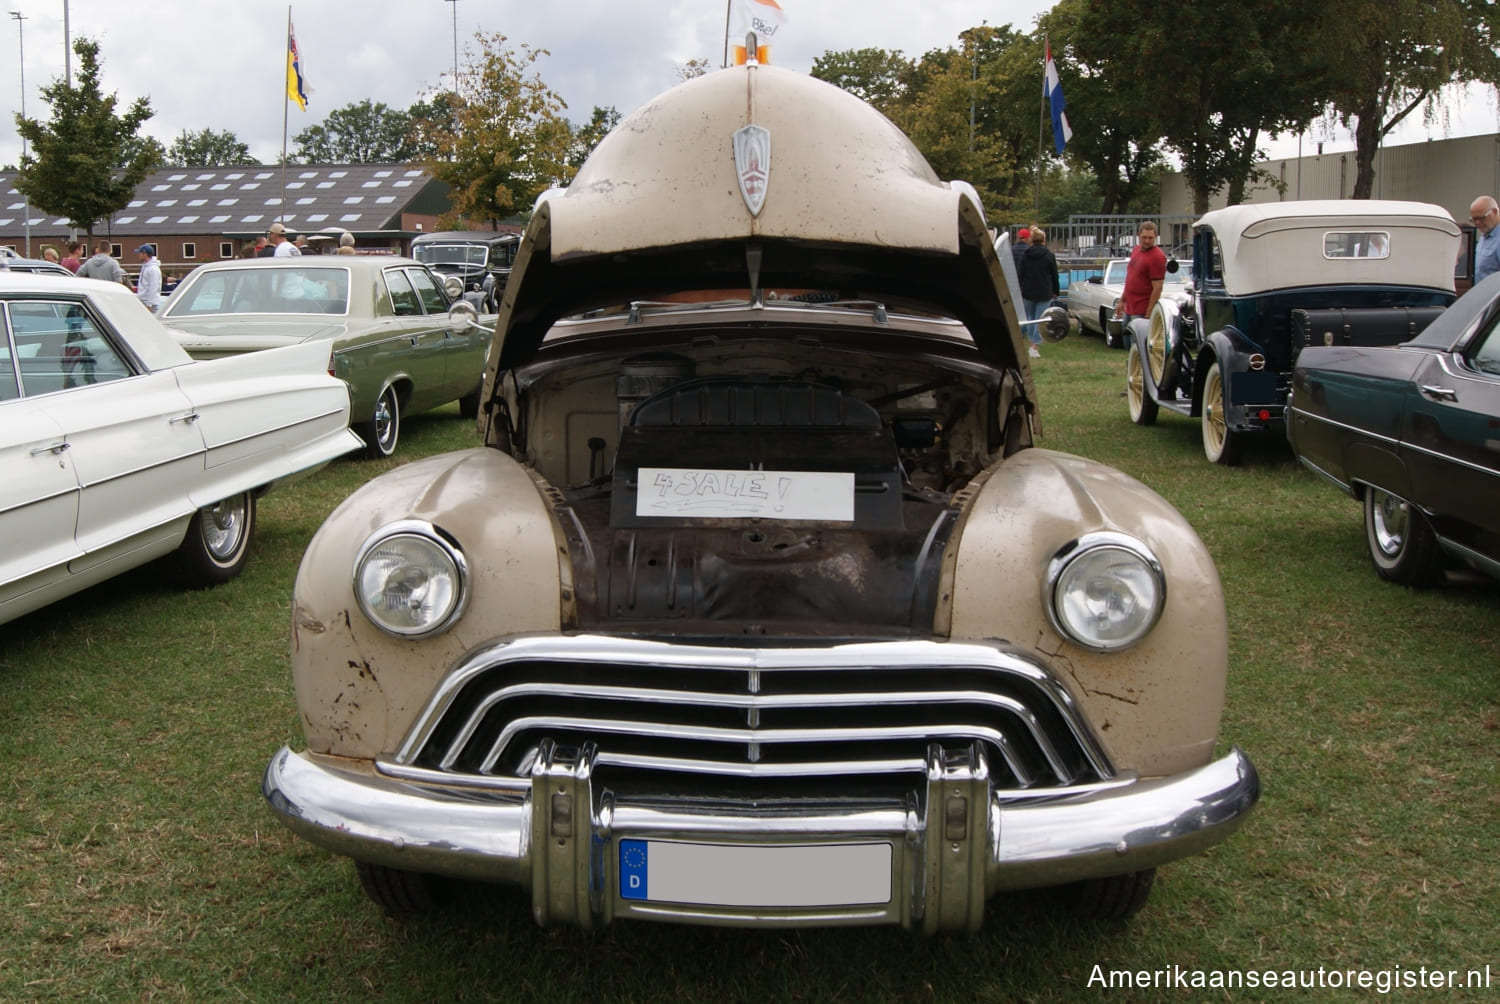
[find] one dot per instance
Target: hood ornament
(752, 161)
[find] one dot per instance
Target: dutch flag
(1052, 87)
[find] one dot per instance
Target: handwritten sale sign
(690, 491)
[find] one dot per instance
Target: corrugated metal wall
(1448, 172)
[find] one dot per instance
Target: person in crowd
(148, 286)
(1039, 283)
(103, 265)
(280, 246)
(49, 253)
(346, 243)
(1484, 214)
(74, 257)
(1023, 240)
(1144, 276)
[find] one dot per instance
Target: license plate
(781, 875)
(678, 492)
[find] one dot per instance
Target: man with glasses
(1484, 214)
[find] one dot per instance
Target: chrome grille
(857, 709)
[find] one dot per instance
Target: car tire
(1402, 544)
(395, 890)
(468, 405)
(383, 431)
(217, 542)
(1221, 444)
(1138, 399)
(1112, 898)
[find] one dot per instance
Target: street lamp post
(21, 35)
(455, 43)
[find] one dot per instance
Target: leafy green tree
(876, 76)
(1216, 78)
(507, 141)
(1383, 61)
(86, 162)
(588, 135)
(363, 132)
(1118, 140)
(208, 148)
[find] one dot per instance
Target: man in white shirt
(284, 248)
(1484, 214)
(148, 286)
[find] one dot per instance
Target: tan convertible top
(824, 192)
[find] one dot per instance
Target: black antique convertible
(1413, 432)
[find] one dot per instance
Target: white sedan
(116, 448)
(1095, 301)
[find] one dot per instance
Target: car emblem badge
(752, 159)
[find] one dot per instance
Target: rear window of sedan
(307, 289)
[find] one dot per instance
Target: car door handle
(189, 419)
(1439, 392)
(54, 448)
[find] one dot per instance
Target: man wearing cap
(283, 247)
(148, 286)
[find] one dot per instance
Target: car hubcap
(1391, 515)
(223, 526)
(383, 421)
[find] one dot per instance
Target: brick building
(193, 215)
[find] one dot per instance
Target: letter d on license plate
(778, 875)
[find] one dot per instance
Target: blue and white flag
(1052, 87)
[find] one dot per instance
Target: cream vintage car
(117, 449)
(759, 605)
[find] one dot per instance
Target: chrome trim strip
(71, 490)
(748, 702)
(1466, 553)
(1346, 489)
(584, 648)
(764, 737)
(1324, 419)
(165, 462)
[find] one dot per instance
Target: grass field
(139, 862)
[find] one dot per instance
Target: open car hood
(667, 205)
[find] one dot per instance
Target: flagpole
(286, 48)
(1041, 125)
(727, 5)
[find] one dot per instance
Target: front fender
(358, 688)
(1154, 707)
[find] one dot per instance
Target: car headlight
(1105, 591)
(411, 580)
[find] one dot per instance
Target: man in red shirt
(1144, 275)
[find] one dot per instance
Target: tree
(1383, 61)
(1118, 140)
(875, 76)
(1214, 77)
(363, 132)
(588, 135)
(508, 141)
(208, 148)
(86, 162)
(692, 68)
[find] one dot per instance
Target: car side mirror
(463, 313)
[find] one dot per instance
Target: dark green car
(1413, 432)
(396, 336)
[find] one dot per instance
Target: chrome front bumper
(953, 841)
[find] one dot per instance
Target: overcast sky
(220, 63)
